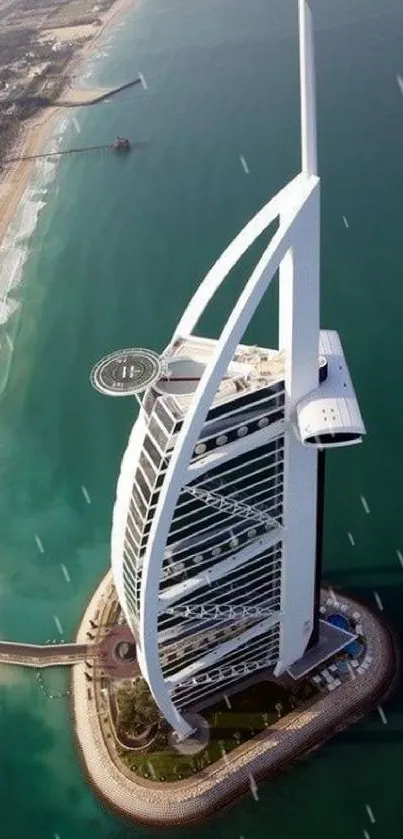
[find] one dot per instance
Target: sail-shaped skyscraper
(217, 526)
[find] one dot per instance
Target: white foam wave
(14, 249)
(85, 79)
(11, 264)
(30, 210)
(45, 172)
(98, 56)
(63, 125)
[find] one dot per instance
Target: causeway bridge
(44, 655)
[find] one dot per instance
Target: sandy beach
(69, 33)
(34, 133)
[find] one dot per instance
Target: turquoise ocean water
(118, 248)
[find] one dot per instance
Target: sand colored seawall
(194, 799)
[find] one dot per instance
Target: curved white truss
(298, 207)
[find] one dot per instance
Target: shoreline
(34, 132)
(193, 800)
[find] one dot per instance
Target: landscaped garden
(233, 720)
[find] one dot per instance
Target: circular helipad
(126, 372)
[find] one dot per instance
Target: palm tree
(136, 708)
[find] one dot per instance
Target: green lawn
(252, 711)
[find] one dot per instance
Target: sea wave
(30, 210)
(61, 129)
(15, 247)
(16, 244)
(19, 239)
(93, 64)
(12, 260)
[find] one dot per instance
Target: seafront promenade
(158, 803)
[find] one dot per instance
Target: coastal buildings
(217, 526)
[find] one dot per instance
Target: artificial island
(211, 654)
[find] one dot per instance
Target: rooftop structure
(217, 526)
(121, 144)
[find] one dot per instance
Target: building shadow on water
(386, 735)
(364, 571)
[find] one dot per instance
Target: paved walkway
(108, 657)
(189, 801)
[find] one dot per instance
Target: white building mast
(215, 526)
(309, 156)
(299, 339)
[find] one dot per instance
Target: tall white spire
(309, 160)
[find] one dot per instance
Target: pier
(108, 147)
